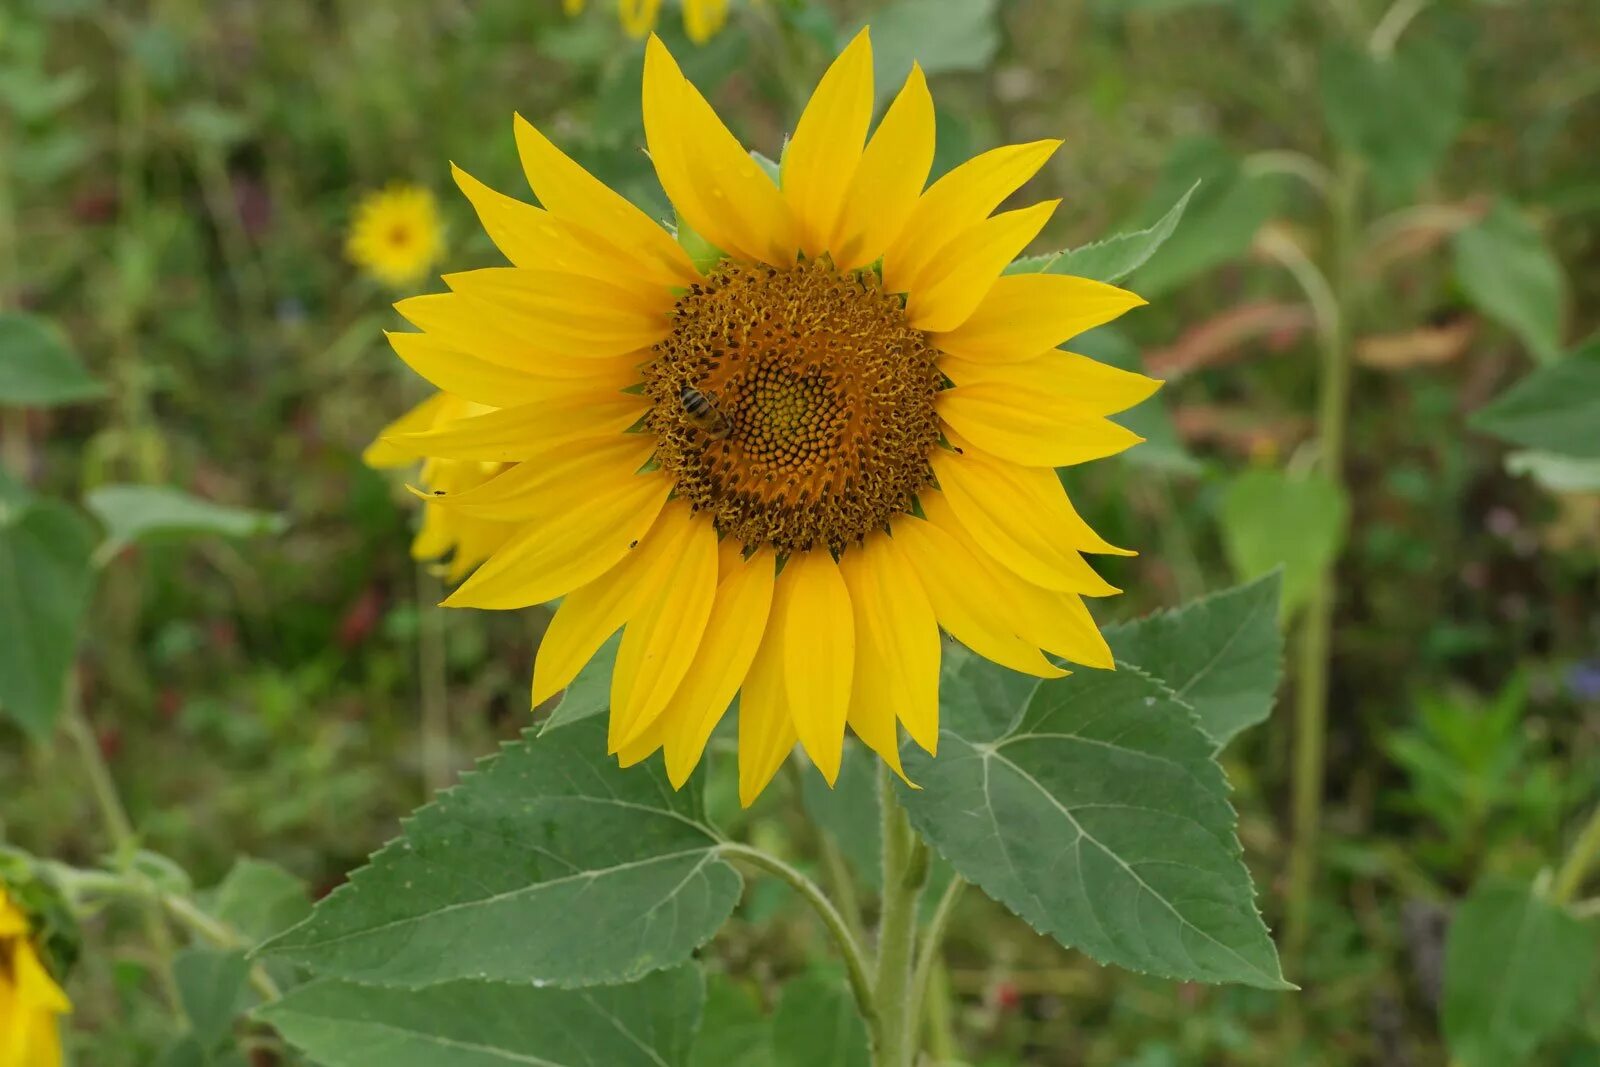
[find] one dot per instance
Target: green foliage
(1111, 259)
(628, 864)
(942, 35)
(45, 582)
(1224, 207)
(1272, 520)
(1555, 409)
(38, 367)
(1515, 968)
(1507, 270)
(1400, 112)
(132, 513)
(1091, 806)
(732, 1028)
(1221, 655)
(590, 692)
(647, 1023)
(260, 899)
(816, 1023)
(211, 983)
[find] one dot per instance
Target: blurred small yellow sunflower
(702, 19)
(445, 532)
(395, 234)
(30, 1000)
(781, 473)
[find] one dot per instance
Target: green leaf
(143, 512)
(546, 864)
(1516, 967)
(1271, 520)
(1221, 655)
(848, 812)
(259, 899)
(1092, 807)
(45, 582)
(211, 986)
(1224, 208)
(941, 35)
(1510, 274)
(1559, 474)
(590, 692)
(648, 1023)
(816, 1022)
(37, 365)
(1112, 259)
(1400, 112)
(733, 1031)
(1554, 409)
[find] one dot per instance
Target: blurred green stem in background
(1580, 858)
(930, 982)
(1327, 291)
(431, 663)
(905, 872)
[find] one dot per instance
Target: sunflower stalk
(1580, 859)
(905, 872)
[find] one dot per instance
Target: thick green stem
(1580, 858)
(855, 961)
(905, 871)
(1315, 644)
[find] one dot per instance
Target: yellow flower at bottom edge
(30, 1000)
(780, 477)
(702, 19)
(454, 532)
(395, 235)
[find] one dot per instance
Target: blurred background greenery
(1412, 187)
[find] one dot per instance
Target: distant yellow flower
(781, 473)
(30, 1000)
(454, 532)
(396, 234)
(701, 18)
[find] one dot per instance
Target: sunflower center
(794, 406)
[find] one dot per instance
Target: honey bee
(702, 413)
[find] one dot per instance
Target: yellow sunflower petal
(642, 747)
(738, 620)
(578, 197)
(813, 608)
(717, 188)
(1007, 525)
(821, 157)
(961, 591)
(954, 204)
(1025, 314)
(524, 490)
(897, 650)
(573, 314)
(1095, 387)
(550, 558)
(1034, 495)
(495, 384)
(593, 612)
(383, 454)
(1031, 428)
(888, 178)
(533, 238)
(638, 17)
(766, 732)
(527, 431)
(955, 281)
(660, 642)
(1053, 620)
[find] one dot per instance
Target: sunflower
(30, 1000)
(781, 472)
(467, 540)
(701, 18)
(395, 235)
